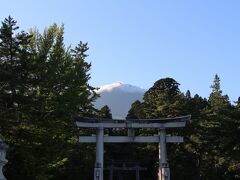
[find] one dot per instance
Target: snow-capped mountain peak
(120, 86)
(119, 97)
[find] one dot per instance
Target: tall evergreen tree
(214, 139)
(217, 101)
(216, 85)
(105, 112)
(14, 73)
(164, 99)
(42, 85)
(188, 95)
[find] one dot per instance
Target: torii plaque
(131, 125)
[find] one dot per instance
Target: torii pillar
(98, 170)
(163, 172)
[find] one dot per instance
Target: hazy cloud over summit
(119, 97)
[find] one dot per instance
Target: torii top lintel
(164, 123)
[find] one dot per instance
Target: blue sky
(140, 41)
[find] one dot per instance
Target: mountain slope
(119, 97)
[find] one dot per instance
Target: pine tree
(188, 95)
(105, 112)
(15, 75)
(195, 105)
(16, 98)
(42, 85)
(217, 101)
(14, 72)
(62, 90)
(164, 99)
(215, 135)
(216, 85)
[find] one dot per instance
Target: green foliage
(217, 101)
(42, 85)
(216, 87)
(164, 99)
(136, 111)
(105, 112)
(211, 147)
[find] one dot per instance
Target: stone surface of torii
(131, 125)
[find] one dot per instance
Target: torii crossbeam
(131, 125)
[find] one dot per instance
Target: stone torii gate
(131, 125)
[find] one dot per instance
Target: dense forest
(43, 83)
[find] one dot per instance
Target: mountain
(119, 97)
